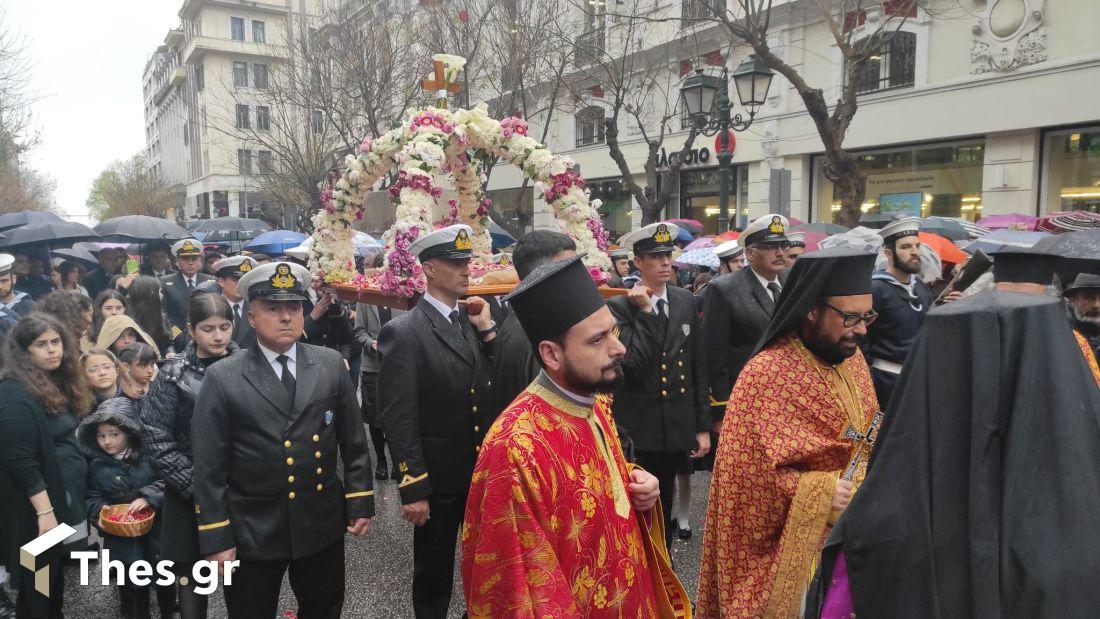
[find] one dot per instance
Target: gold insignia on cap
(462, 241)
(283, 278)
(662, 235)
(188, 246)
(245, 266)
(777, 225)
(505, 259)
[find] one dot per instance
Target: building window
(240, 74)
(244, 161)
(259, 75)
(590, 126)
(318, 123)
(936, 179)
(892, 63)
(590, 46)
(692, 12)
(263, 118)
(264, 161)
(1072, 171)
(258, 33)
(236, 28)
(242, 117)
(200, 78)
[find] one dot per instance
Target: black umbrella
(140, 229)
(947, 228)
(79, 254)
(822, 227)
(232, 224)
(1081, 250)
(876, 220)
(27, 218)
(52, 235)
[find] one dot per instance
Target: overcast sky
(88, 62)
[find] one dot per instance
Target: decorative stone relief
(1008, 34)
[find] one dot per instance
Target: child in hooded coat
(120, 472)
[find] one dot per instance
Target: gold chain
(854, 399)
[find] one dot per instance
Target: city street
(379, 568)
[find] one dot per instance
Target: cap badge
(662, 235)
(188, 246)
(245, 267)
(462, 241)
(283, 278)
(505, 259)
(777, 225)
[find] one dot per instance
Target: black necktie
(662, 311)
(453, 317)
(190, 285)
(775, 290)
(288, 376)
(236, 313)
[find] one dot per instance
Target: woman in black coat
(166, 416)
(42, 389)
(120, 471)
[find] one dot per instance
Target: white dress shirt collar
(764, 282)
(273, 359)
(440, 306)
(657, 297)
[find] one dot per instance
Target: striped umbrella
(1068, 221)
(973, 230)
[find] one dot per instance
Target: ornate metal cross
(439, 84)
(857, 466)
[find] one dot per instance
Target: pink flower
(448, 128)
(425, 121)
(365, 146)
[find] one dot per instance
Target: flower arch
(431, 147)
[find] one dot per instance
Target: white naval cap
(450, 243)
(797, 239)
(187, 247)
(6, 263)
(276, 281)
(771, 228)
(656, 238)
(910, 226)
(234, 266)
(729, 249)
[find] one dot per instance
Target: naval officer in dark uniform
(901, 300)
(270, 425)
(228, 273)
(179, 286)
(663, 402)
(434, 406)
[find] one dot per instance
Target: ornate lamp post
(698, 92)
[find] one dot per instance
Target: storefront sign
(695, 156)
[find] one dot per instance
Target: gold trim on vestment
(806, 522)
(618, 490)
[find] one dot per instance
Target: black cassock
(982, 492)
(901, 311)
(514, 367)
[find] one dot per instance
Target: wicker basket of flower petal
(114, 520)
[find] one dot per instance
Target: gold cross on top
(439, 84)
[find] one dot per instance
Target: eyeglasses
(852, 319)
(783, 245)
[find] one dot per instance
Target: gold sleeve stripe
(409, 480)
(714, 402)
(355, 495)
(216, 525)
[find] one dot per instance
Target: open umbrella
(1011, 221)
(1068, 221)
(52, 235)
(140, 229)
(693, 225)
(501, 238)
(876, 220)
(997, 239)
(275, 242)
(728, 235)
(823, 227)
(685, 235)
(944, 227)
(703, 241)
(1083, 244)
(702, 257)
(232, 224)
(972, 229)
(79, 254)
(27, 218)
(947, 251)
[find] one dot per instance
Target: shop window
(617, 204)
(590, 128)
(1073, 171)
(944, 180)
(892, 63)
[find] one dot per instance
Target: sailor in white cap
(901, 300)
(620, 262)
(179, 285)
(731, 257)
(272, 427)
(15, 303)
(662, 402)
(797, 248)
(229, 272)
(436, 406)
(738, 307)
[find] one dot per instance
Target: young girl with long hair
(145, 298)
(42, 471)
(166, 416)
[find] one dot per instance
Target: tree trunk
(850, 185)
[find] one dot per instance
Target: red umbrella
(729, 235)
(948, 251)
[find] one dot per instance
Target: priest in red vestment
(798, 429)
(557, 523)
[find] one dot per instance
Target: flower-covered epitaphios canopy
(431, 148)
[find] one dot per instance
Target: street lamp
(699, 92)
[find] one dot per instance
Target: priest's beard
(912, 267)
(1087, 322)
(594, 384)
(829, 348)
